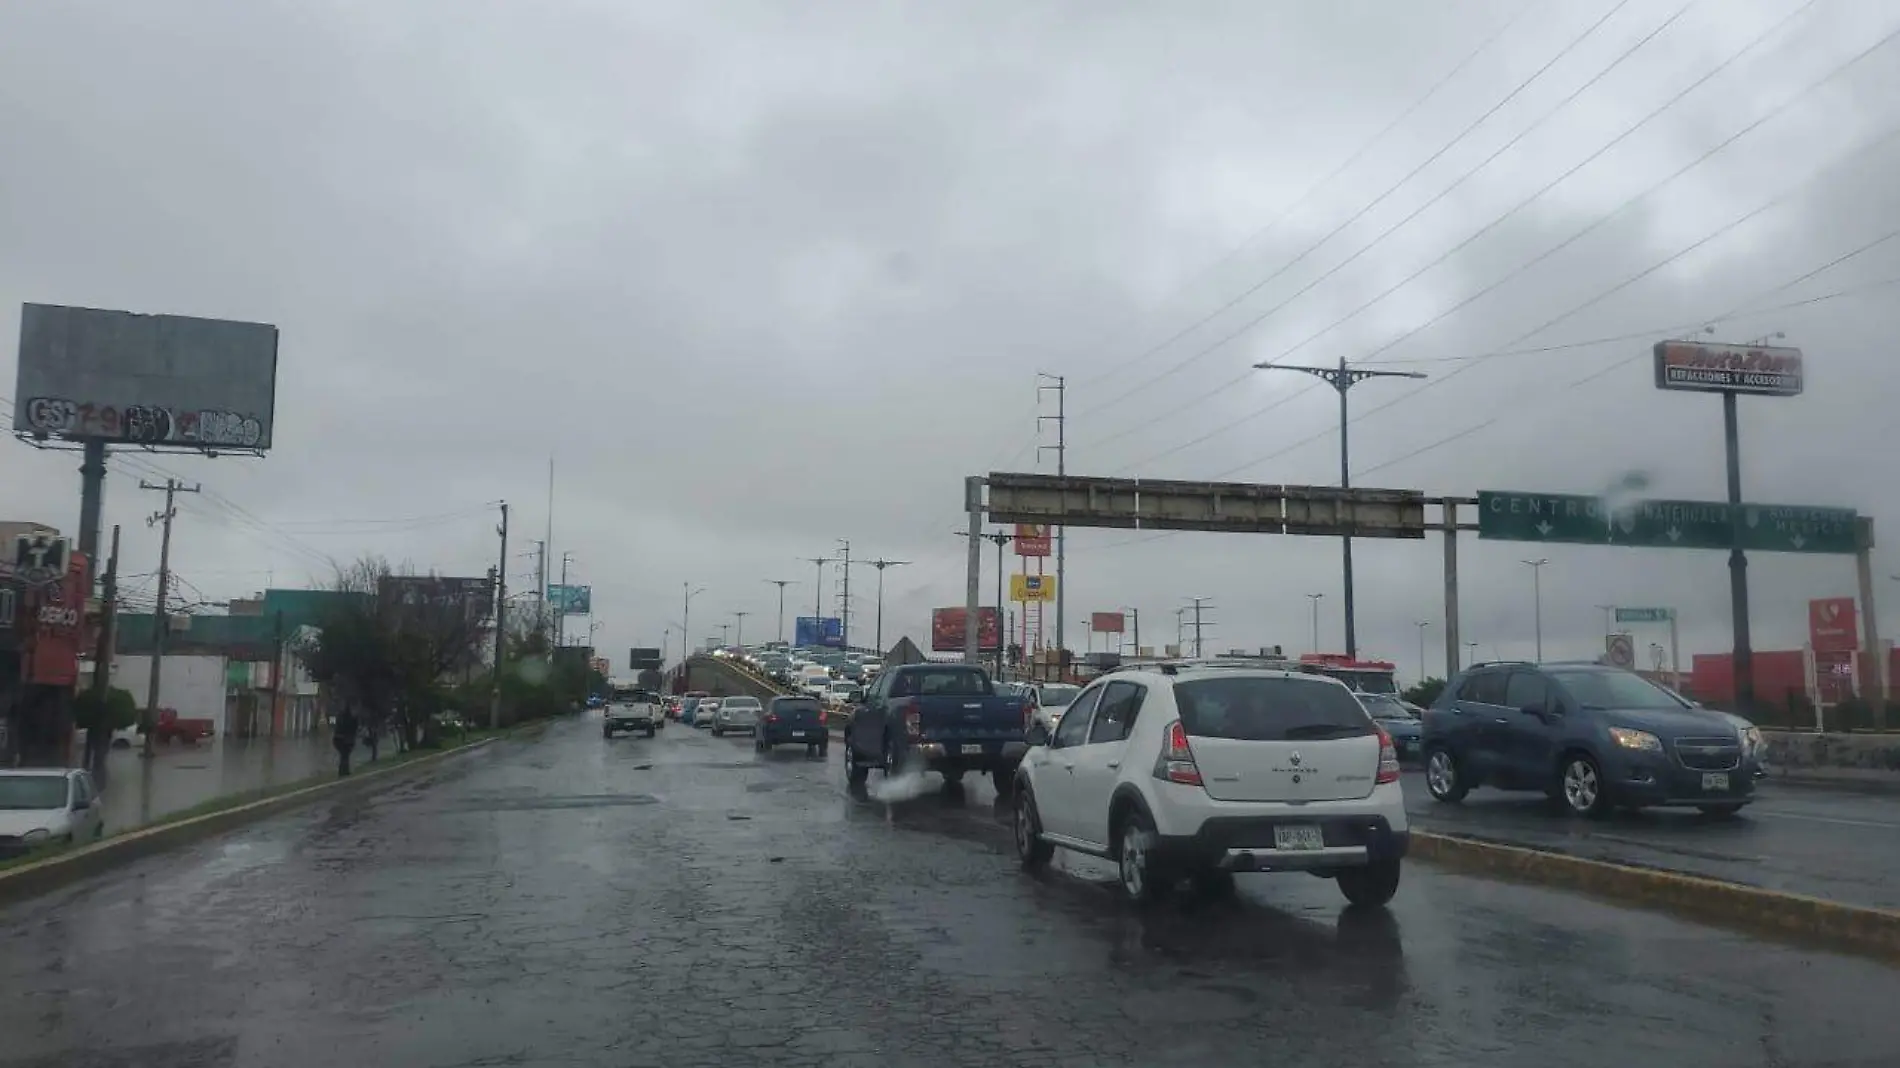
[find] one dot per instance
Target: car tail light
(1388, 757)
(1176, 762)
(913, 724)
(821, 717)
(771, 717)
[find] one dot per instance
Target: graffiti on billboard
(142, 424)
(946, 630)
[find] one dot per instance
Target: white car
(39, 806)
(738, 715)
(704, 712)
(840, 693)
(1049, 700)
(1197, 773)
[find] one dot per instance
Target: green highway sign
(1644, 615)
(1509, 515)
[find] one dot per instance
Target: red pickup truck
(169, 728)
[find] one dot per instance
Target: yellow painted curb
(1751, 909)
(31, 880)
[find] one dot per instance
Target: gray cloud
(760, 277)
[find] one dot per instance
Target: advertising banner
(643, 659)
(424, 597)
(946, 630)
(1832, 626)
(56, 617)
(1105, 622)
(825, 632)
(1763, 371)
(571, 600)
(1032, 539)
(160, 381)
(1032, 587)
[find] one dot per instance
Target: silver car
(737, 714)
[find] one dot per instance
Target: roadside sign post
(1659, 615)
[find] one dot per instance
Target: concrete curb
(1749, 909)
(32, 880)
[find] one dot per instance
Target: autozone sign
(58, 615)
(1754, 369)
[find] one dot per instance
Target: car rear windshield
(1059, 696)
(790, 706)
(1270, 710)
(32, 792)
(948, 682)
(740, 702)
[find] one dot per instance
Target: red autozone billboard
(946, 630)
(1754, 369)
(1032, 539)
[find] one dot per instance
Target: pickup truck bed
(948, 717)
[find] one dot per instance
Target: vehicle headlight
(1751, 739)
(38, 834)
(1632, 739)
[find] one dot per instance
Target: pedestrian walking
(373, 738)
(343, 736)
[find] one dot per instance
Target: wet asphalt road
(1824, 843)
(684, 902)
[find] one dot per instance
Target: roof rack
(1501, 663)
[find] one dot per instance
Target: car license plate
(797, 735)
(1298, 838)
(1715, 780)
(972, 750)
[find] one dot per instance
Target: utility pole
(541, 617)
(1199, 604)
(501, 623)
(276, 673)
(1180, 620)
(560, 614)
(781, 584)
(1046, 383)
(1136, 614)
(1537, 601)
(99, 735)
(547, 564)
(1423, 673)
(844, 605)
(817, 598)
(172, 488)
(881, 564)
(740, 630)
(1315, 598)
(1343, 378)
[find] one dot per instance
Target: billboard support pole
(1675, 655)
(92, 497)
(501, 623)
(973, 500)
(1449, 523)
(99, 737)
(1738, 560)
(1002, 539)
(1872, 677)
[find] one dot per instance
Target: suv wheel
(1143, 883)
(1030, 848)
(855, 772)
(1372, 885)
(1442, 780)
(1583, 786)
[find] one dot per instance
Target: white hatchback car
(40, 806)
(1197, 773)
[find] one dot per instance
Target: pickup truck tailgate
(991, 721)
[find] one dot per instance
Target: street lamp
(1472, 659)
(1342, 378)
(781, 584)
(740, 616)
(882, 564)
(1537, 601)
(1421, 625)
(1314, 597)
(686, 619)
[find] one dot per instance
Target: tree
(1425, 692)
(121, 709)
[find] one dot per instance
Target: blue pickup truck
(948, 716)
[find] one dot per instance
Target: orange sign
(55, 627)
(1831, 625)
(1032, 539)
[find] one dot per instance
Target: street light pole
(1537, 601)
(1422, 672)
(781, 584)
(881, 564)
(740, 616)
(686, 620)
(1314, 597)
(817, 597)
(1343, 378)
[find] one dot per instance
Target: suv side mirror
(1037, 734)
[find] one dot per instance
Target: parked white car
(1198, 773)
(39, 806)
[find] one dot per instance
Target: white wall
(194, 685)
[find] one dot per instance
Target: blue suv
(1592, 737)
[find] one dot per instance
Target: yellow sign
(1032, 587)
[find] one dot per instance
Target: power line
(1322, 183)
(1369, 206)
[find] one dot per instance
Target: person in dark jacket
(343, 736)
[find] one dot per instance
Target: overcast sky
(761, 276)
